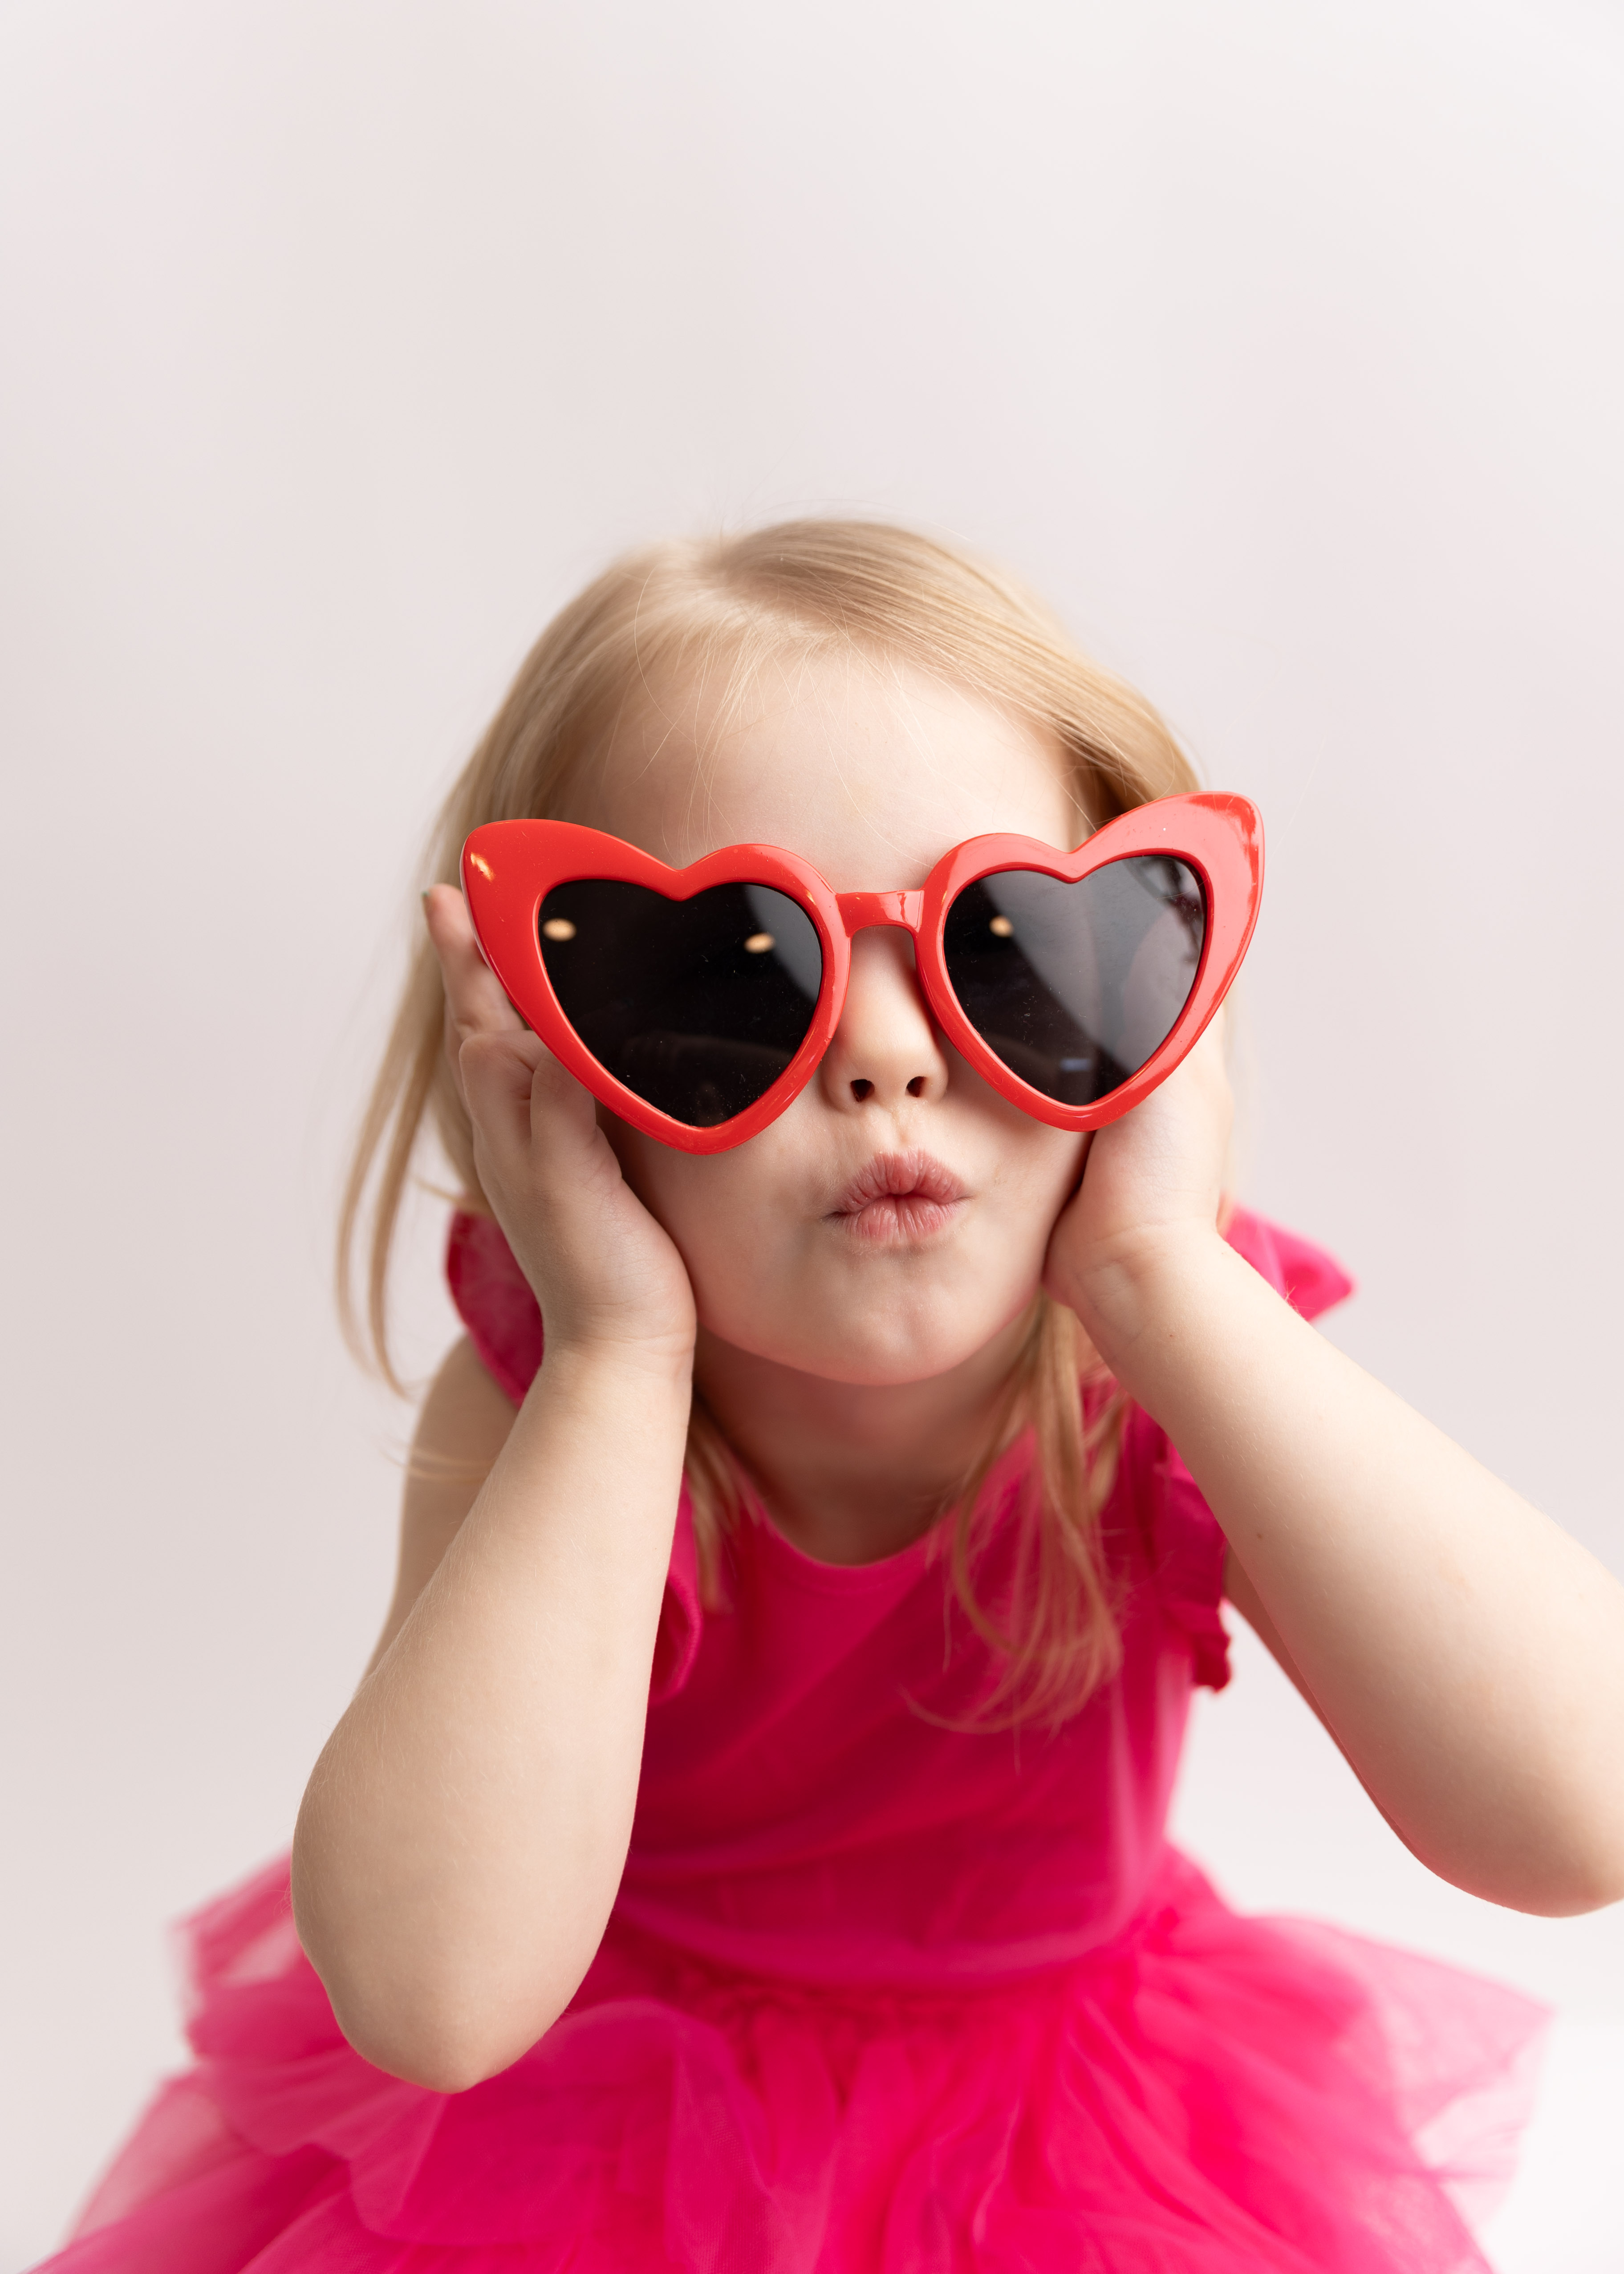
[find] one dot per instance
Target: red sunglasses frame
(509, 867)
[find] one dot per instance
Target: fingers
(519, 1096)
(495, 1073)
(513, 1087)
(475, 1002)
(601, 1267)
(1208, 1064)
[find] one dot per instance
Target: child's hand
(605, 1273)
(1152, 1183)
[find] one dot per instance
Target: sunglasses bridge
(861, 911)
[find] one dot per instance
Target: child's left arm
(1465, 1653)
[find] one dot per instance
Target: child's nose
(885, 1048)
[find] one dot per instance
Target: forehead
(869, 770)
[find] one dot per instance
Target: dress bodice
(816, 1800)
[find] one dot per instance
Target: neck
(852, 1472)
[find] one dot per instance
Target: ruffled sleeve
(1310, 1280)
(1188, 1545)
(495, 1303)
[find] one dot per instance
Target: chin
(879, 1354)
(889, 1369)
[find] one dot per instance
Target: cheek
(715, 1205)
(1035, 1180)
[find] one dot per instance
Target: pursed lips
(897, 1198)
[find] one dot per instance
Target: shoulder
(1311, 1281)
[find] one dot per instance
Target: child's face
(871, 775)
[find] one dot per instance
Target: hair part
(701, 619)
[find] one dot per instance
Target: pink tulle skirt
(1210, 2095)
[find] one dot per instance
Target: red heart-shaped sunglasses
(695, 1003)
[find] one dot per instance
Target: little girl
(745, 1850)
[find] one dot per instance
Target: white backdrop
(1279, 343)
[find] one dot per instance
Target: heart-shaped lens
(1074, 986)
(696, 1005)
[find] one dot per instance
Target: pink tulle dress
(877, 1993)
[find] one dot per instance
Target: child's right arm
(464, 1831)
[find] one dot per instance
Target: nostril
(916, 1087)
(861, 1089)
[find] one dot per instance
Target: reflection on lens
(1075, 985)
(698, 1005)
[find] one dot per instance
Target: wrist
(596, 1361)
(1138, 1294)
(622, 1409)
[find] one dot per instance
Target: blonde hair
(678, 615)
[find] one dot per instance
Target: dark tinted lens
(1075, 985)
(698, 1005)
